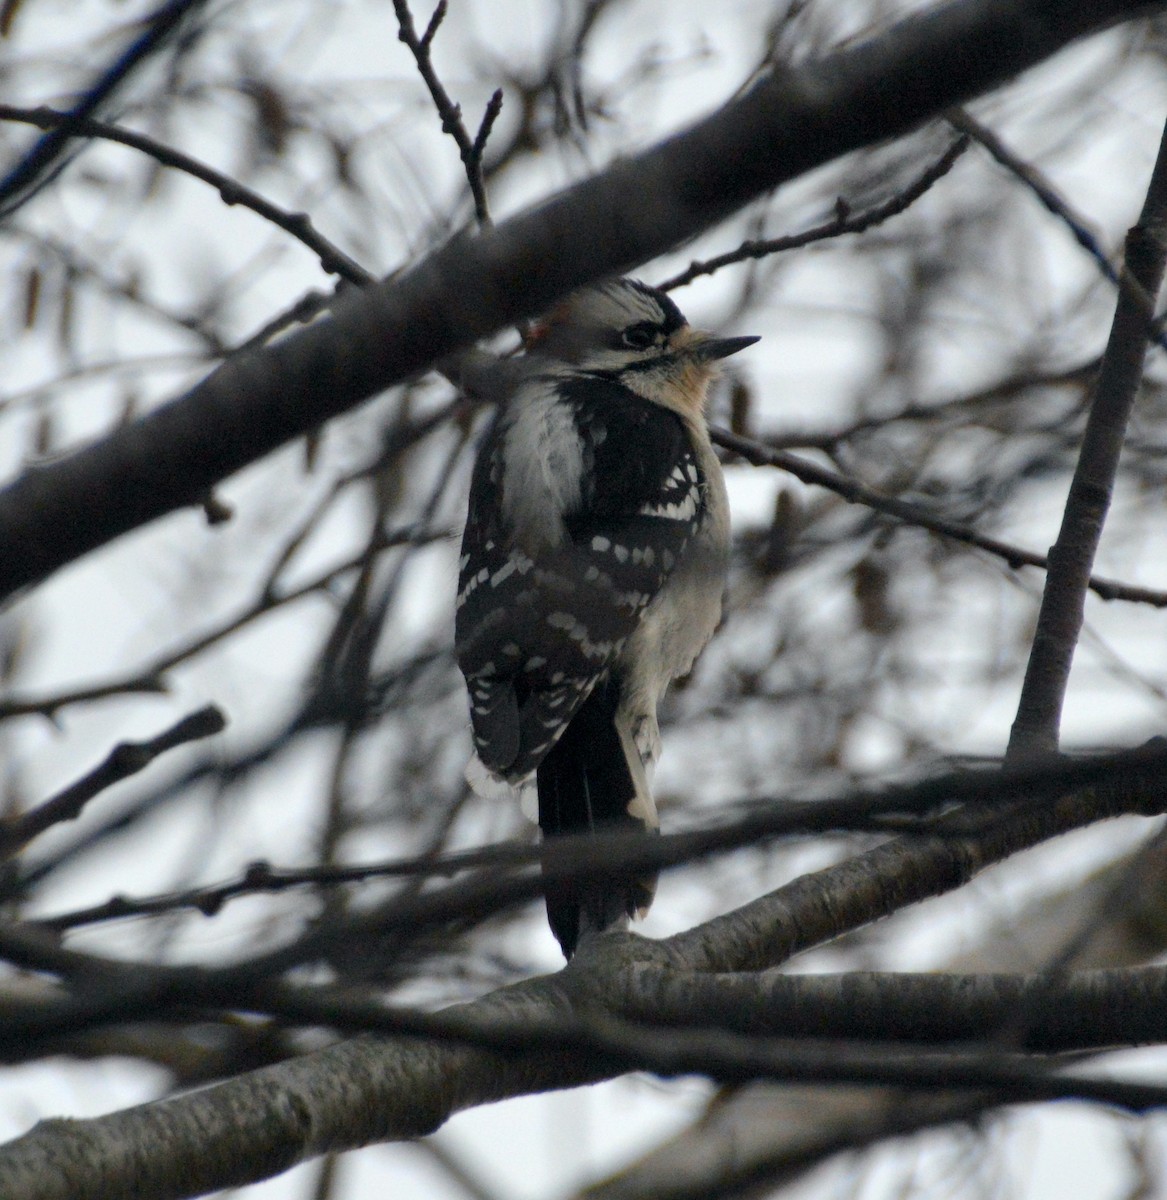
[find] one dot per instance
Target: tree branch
(1082, 1010)
(541, 1034)
(812, 909)
(470, 149)
(124, 760)
(21, 181)
(789, 122)
(819, 907)
(299, 225)
(854, 492)
(1059, 621)
(843, 223)
(1041, 188)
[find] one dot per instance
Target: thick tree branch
(1041, 1012)
(546, 1033)
(788, 123)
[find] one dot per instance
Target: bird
(592, 570)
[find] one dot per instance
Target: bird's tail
(593, 779)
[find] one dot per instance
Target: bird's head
(635, 333)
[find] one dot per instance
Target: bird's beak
(705, 348)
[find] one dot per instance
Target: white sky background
(119, 607)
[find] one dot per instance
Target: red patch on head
(538, 331)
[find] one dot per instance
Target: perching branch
(559, 1031)
(540, 1034)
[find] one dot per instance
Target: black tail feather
(585, 784)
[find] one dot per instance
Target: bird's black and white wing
(560, 562)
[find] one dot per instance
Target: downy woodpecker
(592, 569)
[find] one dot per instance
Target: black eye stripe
(642, 335)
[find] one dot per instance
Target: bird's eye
(640, 336)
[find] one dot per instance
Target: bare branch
(854, 492)
(843, 222)
(816, 908)
(1040, 186)
(151, 678)
(787, 123)
(1059, 622)
(125, 759)
(1077, 1010)
(299, 225)
(470, 149)
(20, 183)
(136, 684)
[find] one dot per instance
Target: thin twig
(1059, 623)
(470, 149)
(842, 223)
(124, 760)
(854, 492)
(151, 679)
(1041, 187)
(1055, 203)
(299, 225)
(1012, 389)
(126, 291)
(32, 170)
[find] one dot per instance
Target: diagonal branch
(641, 206)
(759, 454)
(20, 183)
(817, 908)
(124, 760)
(299, 225)
(844, 222)
(1059, 622)
(1040, 186)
